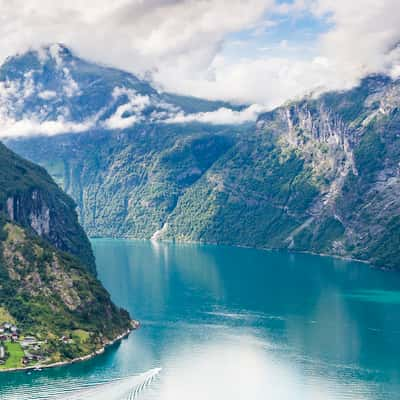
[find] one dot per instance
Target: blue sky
(278, 35)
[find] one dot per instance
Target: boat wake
(120, 389)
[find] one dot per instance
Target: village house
(8, 328)
(14, 337)
(66, 340)
(29, 341)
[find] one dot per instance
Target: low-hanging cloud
(11, 128)
(222, 116)
(180, 42)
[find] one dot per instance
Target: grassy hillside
(48, 287)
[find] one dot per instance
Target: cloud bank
(28, 107)
(222, 116)
(181, 42)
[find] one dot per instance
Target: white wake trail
(120, 389)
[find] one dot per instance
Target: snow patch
(71, 87)
(47, 94)
(28, 85)
(55, 53)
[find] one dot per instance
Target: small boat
(37, 369)
(135, 324)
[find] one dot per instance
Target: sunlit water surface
(232, 323)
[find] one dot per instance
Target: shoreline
(272, 250)
(135, 324)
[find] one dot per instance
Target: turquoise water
(232, 323)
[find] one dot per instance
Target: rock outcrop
(320, 174)
(48, 284)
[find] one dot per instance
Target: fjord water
(235, 323)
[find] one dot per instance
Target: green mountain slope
(127, 185)
(48, 286)
(320, 174)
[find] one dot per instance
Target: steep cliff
(29, 197)
(48, 286)
(320, 174)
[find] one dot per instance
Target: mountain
(128, 168)
(51, 91)
(29, 197)
(320, 174)
(48, 284)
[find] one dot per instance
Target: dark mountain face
(321, 174)
(52, 91)
(30, 198)
(317, 175)
(130, 165)
(47, 273)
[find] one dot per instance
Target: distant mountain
(320, 174)
(47, 272)
(117, 168)
(51, 91)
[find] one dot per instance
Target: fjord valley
(289, 326)
(52, 307)
(226, 172)
(318, 175)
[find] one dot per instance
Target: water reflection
(245, 366)
(230, 323)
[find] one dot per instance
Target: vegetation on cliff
(320, 174)
(48, 286)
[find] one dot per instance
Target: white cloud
(365, 36)
(362, 39)
(133, 34)
(222, 116)
(128, 113)
(32, 126)
(268, 81)
(181, 42)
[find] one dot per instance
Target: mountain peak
(58, 52)
(49, 90)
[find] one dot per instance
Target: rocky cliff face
(47, 273)
(30, 198)
(320, 174)
(355, 211)
(33, 211)
(317, 175)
